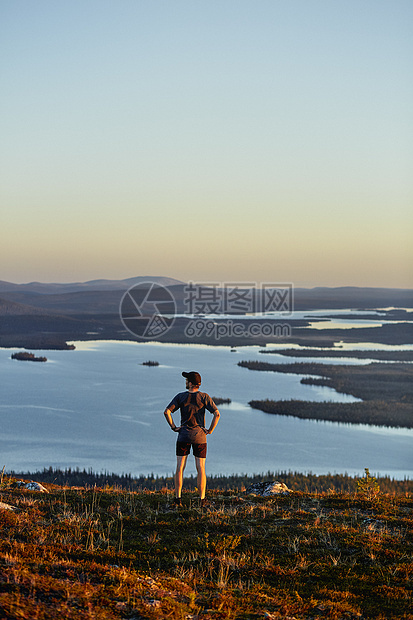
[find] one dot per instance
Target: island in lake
(24, 356)
(221, 401)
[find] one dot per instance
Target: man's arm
(168, 416)
(214, 422)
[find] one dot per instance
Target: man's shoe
(204, 503)
(177, 502)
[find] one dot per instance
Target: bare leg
(201, 479)
(179, 475)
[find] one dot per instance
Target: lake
(98, 407)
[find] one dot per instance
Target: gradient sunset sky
(207, 140)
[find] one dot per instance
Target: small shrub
(368, 487)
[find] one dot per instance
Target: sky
(207, 140)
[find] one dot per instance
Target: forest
(385, 390)
(376, 354)
(296, 481)
(25, 356)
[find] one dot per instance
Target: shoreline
(372, 413)
(29, 332)
(374, 354)
(385, 391)
(381, 409)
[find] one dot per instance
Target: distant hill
(104, 296)
(37, 314)
(10, 308)
(78, 302)
(97, 285)
(22, 325)
(355, 297)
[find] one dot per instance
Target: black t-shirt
(192, 406)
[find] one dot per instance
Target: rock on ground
(266, 489)
(4, 506)
(32, 486)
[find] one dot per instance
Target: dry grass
(108, 553)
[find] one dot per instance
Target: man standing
(192, 431)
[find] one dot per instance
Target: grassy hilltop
(108, 553)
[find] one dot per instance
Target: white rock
(265, 489)
(32, 486)
(4, 506)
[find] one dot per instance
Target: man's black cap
(193, 377)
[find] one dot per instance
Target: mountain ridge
(104, 296)
(50, 288)
(35, 315)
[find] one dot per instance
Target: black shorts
(183, 448)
